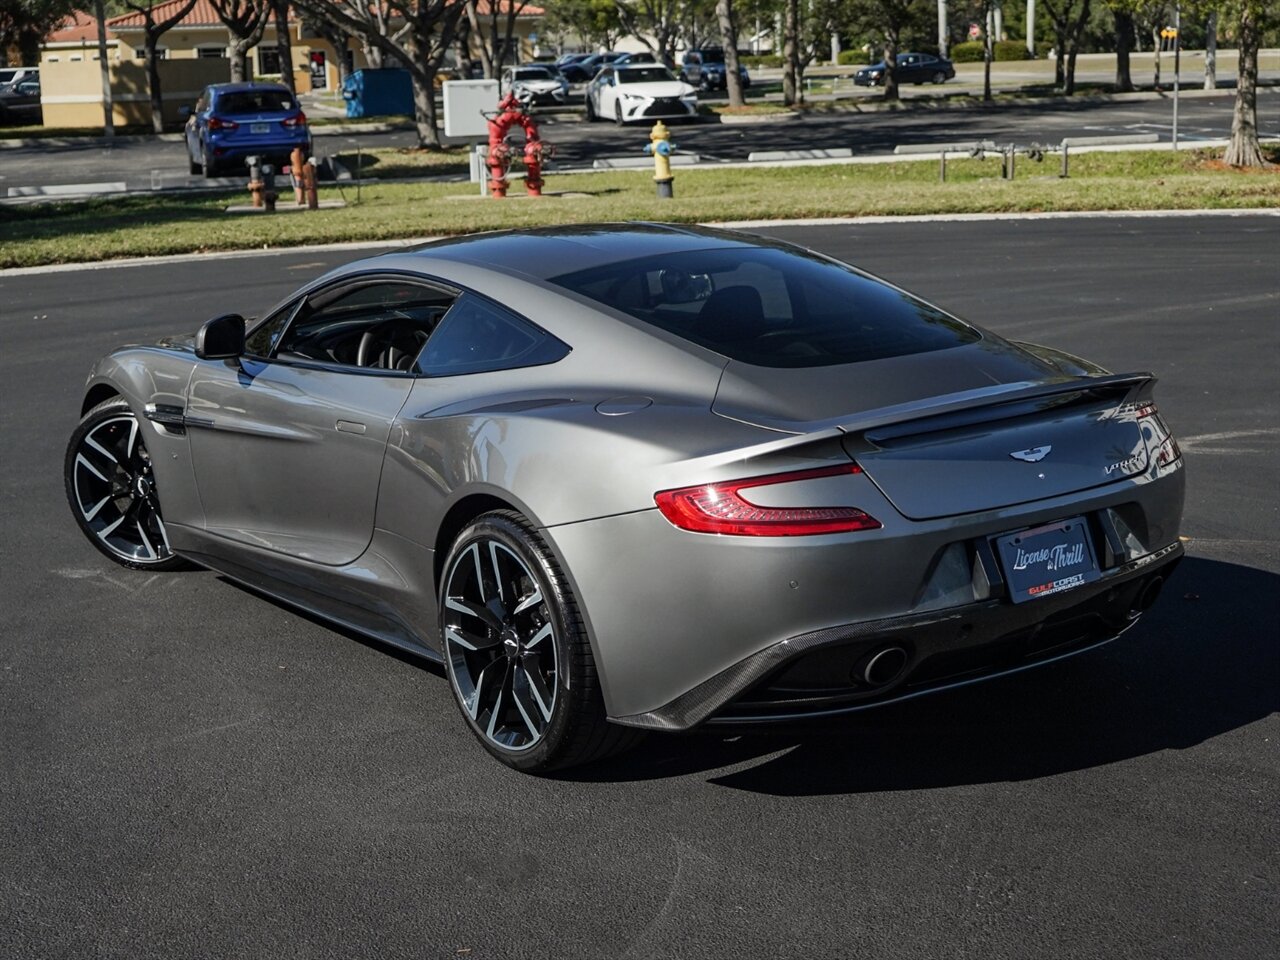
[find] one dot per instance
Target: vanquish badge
(1033, 455)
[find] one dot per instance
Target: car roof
(247, 85)
(544, 252)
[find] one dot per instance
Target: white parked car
(641, 92)
(538, 84)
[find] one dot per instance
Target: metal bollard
(309, 183)
(269, 187)
(1065, 149)
(255, 179)
(295, 169)
(661, 147)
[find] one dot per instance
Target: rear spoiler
(798, 434)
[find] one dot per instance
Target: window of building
(268, 59)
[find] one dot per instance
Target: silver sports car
(640, 477)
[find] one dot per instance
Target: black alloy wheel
(112, 491)
(516, 652)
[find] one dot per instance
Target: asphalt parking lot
(191, 770)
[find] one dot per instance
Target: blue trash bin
(378, 93)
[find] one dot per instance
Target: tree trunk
(284, 43)
(987, 53)
(791, 94)
(891, 65)
(424, 109)
(473, 18)
(1155, 62)
(1244, 149)
(1124, 43)
(1059, 59)
(1070, 87)
(729, 34)
(1211, 52)
(153, 84)
(239, 63)
(104, 68)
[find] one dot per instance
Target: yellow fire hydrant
(661, 147)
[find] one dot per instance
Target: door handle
(350, 426)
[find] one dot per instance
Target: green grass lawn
(145, 225)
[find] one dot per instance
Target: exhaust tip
(1147, 597)
(882, 667)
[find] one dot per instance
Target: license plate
(259, 128)
(1048, 560)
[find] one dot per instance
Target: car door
(287, 443)
(605, 94)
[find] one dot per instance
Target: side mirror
(221, 338)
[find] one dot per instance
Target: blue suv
(232, 121)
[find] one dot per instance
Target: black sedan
(912, 68)
(20, 102)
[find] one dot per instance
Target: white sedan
(641, 92)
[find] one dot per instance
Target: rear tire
(939, 77)
(516, 652)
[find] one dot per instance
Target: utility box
(379, 93)
(465, 104)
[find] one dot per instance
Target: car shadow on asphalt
(1205, 661)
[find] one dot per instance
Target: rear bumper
(674, 616)
(223, 151)
(792, 680)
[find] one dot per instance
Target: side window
(375, 324)
(478, 336)
(266, 335)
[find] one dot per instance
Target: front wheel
(112, 492)
(591, 111)
(617, 114)
(516, 652)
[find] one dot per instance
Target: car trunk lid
(958, 431)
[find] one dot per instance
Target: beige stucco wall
(71, 91)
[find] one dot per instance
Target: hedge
(847, 58)
(1002, 50)
(755, 62)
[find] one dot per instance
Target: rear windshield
(771, 307)
(643, 74)
(254, 101)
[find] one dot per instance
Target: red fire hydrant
(511, 113)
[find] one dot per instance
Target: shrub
(847, 58)
(1010, 50)
(966, 52)
(1043, 47)
(766, 60)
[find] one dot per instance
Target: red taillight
(299, 121)
(720, 508)
(217, 123)
(1146, 410)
